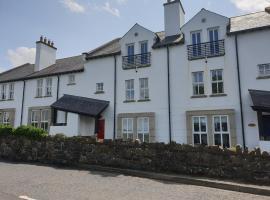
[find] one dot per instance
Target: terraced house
(204, 81)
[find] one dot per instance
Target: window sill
(129, 101)
(138, 67)
(198, 96)
(144, 100)
(7, 100)
(99, 92)
(70, 84)
(43, 97)
(218, 95)
(263, 77)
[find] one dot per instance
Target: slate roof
(81, 105)
(62, 66)
(17, 73)
(168, 41)
(260, 99)
(249, 22)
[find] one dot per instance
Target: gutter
(169, 93)
(240, 91)
(114, 104)
(22, 104)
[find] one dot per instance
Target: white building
(191, 83)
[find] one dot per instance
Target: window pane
(218, 139)
(196, 126)
(220, 88)
(201, 89)
(217, 124)
(224, 121)
(226, 140)
(196, 138)
(214, 76)
(146, 138)
(140, 137)
(203, 124)
(204, 139)
(214, 88)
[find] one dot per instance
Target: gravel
(48, 183)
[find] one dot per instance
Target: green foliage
(6, 130)
(30, 131)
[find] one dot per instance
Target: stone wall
(174, 158)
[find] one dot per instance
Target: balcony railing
(206, 50)
(136, 61)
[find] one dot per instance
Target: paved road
(30, 182)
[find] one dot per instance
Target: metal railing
(135, 61)
(206, 50)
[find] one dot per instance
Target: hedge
(27, 131)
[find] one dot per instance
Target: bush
(30, 131)
(6, 130)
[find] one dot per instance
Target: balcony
(206, 50)
(136, 61)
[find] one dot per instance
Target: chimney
(45, 53)
(267, 9)
(174, 17)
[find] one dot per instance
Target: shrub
(30, 131)
(6, 130)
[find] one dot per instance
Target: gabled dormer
(136, 47)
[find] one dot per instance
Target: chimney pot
(52, 43)
(41, 39)
(49, 42)
(267, 9)
(45, 40)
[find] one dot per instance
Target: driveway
(30, 182)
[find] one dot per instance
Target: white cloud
(73, 6)
(251, 5)
(108, 8)
(21, 55)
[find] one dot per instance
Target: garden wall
(173, 158)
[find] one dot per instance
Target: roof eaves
(102, 56)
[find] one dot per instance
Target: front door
(101, 129)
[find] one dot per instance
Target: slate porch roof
(249, 22)
(261, 100)
(81, 105)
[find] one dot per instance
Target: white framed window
(35, 118)
(221, 131)
(198, 83)
(217, 81)
(11, 91)
(71, 79)
(48, 88)
(143, 129)
(144, 89)
(6, 118)
(127, 128)
(199, 126)
(44, 120)
(130, 53)
(196, 42)
(264, 70)
(3, 92)
(144, 53)
(213, 34)
(100, 87)
(39, 87)
(130, 93)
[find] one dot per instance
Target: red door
(101, 129)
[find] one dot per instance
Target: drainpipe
(169, 94)
(114, 103)
(240, 91)
(22, 110)
(54, 112)
(58, 81)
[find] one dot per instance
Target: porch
(261, 104)
(78, 116)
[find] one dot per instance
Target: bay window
(127, 128)
(221, 131)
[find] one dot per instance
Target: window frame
(144, 88)
(266, 72)
(39, 91)
(44, 123)
(128, 132)
(217, 82)
(48, 87)
(130, 91)
(71, 79)
(35, 123)
(99, 87)
(221, 132)
(3, 92)
(200, 132)
(145, 132)
(6, 118)
(197, 84)
(11, 91)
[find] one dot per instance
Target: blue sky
(77, 26)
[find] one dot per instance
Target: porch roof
(261, 100)
(81, 105)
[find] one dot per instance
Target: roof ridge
(248, 14)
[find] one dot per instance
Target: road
(30, 182)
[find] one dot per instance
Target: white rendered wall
(45, 56)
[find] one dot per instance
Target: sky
(78, 26)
